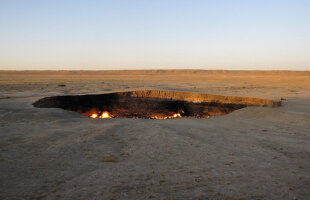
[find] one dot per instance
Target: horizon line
(289, 70)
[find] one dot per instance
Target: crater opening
(152, 104)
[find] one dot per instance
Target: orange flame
(167, 117)
(94, 115)
(176, 115)
(104, 114)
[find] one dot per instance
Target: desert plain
(251, 153)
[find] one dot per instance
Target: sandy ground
(252, 153)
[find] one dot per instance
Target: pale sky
(154, 34)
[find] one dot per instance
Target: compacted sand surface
(252, 153)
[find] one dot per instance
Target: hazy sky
(138, 34)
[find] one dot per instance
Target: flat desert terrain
(251, 153)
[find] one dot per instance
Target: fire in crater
(104, 114)
(151, 104)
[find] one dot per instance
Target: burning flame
(104, 114)
(167, 117)
(94, 115)
(176, 115)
